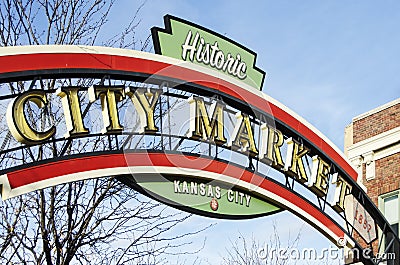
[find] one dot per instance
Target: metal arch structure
(116, 157)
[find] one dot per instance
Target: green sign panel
(205, 197)
(192, 43)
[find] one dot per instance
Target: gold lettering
(271, 141)
(319, 176)
(342, 189)
(294, 160)
(242, 137)
(109, 97)
(145, 101)
(16, 118)
(72, 111)
(201, 126)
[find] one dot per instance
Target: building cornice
(375, 143)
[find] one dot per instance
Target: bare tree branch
(247, 251)
(98, 221)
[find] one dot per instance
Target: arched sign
(190, 128)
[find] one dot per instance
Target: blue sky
(341, 56)
(327, 60)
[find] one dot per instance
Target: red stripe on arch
(52, 170)
(48, 61)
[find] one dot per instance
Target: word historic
(211, 55)
(206, 124)
(186, 41)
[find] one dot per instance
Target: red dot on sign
(214, 204)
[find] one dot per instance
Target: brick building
(372, 144)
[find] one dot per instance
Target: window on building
(391, 211)
(389, 204)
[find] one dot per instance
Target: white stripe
(5, 187)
